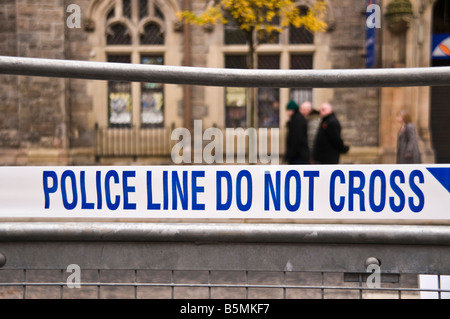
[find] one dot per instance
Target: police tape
(235, 191)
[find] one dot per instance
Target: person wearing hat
(297, 149)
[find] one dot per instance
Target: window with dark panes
(126, 9)
(301, 61)
(236, 98)
(233, 33)
(273, 37)
(110, 14)
(131, 27)
(152, 97)
(300, 35)
(118, 34)
(119, 97)
(268, 98)
(143, 8)
(152, 34)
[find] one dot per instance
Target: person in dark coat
(328, 144)
(407, 145)
(297, 150)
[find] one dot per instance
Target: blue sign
(370, 39)
(441, 46)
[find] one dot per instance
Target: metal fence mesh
(222, 261)
(212, 284)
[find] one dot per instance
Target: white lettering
(374, 19)
(74, 19)
(74, 280)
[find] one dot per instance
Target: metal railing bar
(225, 232)
(335, 78)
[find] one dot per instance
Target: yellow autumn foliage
(261, 15)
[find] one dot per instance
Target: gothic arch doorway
(440, 95)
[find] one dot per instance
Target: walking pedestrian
(407, 146)
(312, 121)
(297, 150)
(328, 144)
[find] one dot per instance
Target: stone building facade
(52, 121)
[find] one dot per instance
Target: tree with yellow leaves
(259, 18)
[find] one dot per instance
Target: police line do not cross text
(235, 191)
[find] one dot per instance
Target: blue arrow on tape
(442, 174)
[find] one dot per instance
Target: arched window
(135, 34)
(118, 34)
(152, 34)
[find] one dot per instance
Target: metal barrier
(146, 260)
(226, 77)
(224, 260)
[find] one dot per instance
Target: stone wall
(9, 110)
(356, 108)
(199, 51)
(81, 132)
(34, 116)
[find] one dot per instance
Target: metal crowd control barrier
(394, 77)
(221, 260)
